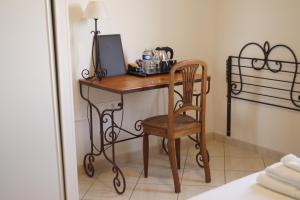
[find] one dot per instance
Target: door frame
(60, 21)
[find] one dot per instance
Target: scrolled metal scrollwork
(138, 125)
(295, 62)
(234, 86)
(199, 158)
(178, 104)
(88, 164)
(254, 64)
(287, 70)
(110, 132)
(266, 63)
(113, 130)
(163, 145)
(178, 93)
(85, 74)
(106, 117)
(119, 185)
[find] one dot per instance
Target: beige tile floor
(227, 163)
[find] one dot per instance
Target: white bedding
(241, 189)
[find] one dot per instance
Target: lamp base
(101, 73)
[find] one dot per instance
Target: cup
(164, 66)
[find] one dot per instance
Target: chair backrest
(187, 69)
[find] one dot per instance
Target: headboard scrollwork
(263, 79)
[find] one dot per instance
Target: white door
(30, 157)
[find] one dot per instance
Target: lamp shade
(95, 10)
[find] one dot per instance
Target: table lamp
(95, 10)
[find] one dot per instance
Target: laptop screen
(111, 54)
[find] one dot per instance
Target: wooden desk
(123, 84)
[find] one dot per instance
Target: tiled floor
(227, 163)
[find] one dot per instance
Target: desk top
(128, 83)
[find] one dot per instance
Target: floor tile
(106, 191)
(84, 186)
(215, 163)
(84, 183)
(228, 162)
(214, 148)
(159, 175)
(234, 175)
(84, 177)
(162, 159)
(243, 164)
(190, 191)
(241, 152)
(154, 191)
(132, 162)
(131, 174)
(195, 176)
(271, 154)
(270, 161)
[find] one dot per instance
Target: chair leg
(146, 153)
(204, 157)
(172, 158)
(177, 147)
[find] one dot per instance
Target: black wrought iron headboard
(270, 77)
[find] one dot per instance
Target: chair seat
(158, 125)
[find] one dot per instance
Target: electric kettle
(163, 53)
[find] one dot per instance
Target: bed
(241, 189)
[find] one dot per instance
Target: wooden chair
(177, 123)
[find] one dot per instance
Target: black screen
(111, 54)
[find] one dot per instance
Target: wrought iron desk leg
(109, 138)
(89, 158)
(119, 179)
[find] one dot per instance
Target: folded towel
(291, 161)
(277, 186)
(289, 157)
(284, 174)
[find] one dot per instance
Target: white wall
(240, 22)
(186, 26)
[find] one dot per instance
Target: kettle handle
(167, 49)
